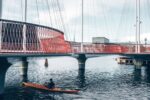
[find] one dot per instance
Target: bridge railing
(110, 48)
(20, 37)
(30, 38)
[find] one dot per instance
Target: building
(100, 40)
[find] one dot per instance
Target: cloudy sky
(114, 19)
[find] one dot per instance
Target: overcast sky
(114, 19)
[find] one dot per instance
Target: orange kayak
(42, 87)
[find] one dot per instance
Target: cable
(65, 25)
(50, 18)
(37, 11)
(61, 17)
(105, 18)
(56, 23)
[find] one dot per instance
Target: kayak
(42, 87)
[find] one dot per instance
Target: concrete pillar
(147, 72)
(137, 74)
(4, 65)
(137, 69)
(81, 60)
(81, 78)
(24, 69)
(81, 72)
(138, 63)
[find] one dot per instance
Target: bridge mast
(136, 31)
(82, 25)
(1, 1)
(24, 27)
(25, 11)
(138, 25)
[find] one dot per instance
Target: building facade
(100, 40)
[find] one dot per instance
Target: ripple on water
(104, 80)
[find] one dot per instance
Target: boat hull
(54, 90)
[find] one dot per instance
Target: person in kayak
(51, 84)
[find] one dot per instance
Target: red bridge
(19, 37)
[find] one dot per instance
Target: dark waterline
(104, 79)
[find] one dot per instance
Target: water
(104, 79)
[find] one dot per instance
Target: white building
(100, 40)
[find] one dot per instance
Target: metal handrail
(42, 26)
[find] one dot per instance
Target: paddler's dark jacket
(51, 85)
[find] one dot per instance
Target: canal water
(104, 79)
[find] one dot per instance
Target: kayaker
(51, 84)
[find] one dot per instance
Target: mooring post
(4, 65)
(46, 62)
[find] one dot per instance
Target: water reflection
(102, 79)
(27, 94)
(147, 73)
(24, 78)
(81, 78)
(137, 74)
(2, 97)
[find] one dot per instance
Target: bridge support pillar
(137, 74)
(24, 69)
(81, 60)
(147, 72)
(138, 63)
(81, 72)
(4, 65)
(137, 69)
(81, 78)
